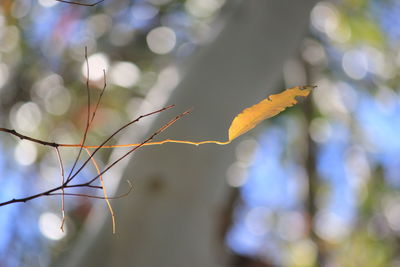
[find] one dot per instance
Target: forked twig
(87, 118)
(66, 181)
(163, 128)
(114, 134)
(53, 144)
(96, 197)
(66, 185)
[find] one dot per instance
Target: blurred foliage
(321, 187)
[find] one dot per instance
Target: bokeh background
(315, 186)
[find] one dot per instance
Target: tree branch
(66, 184)
(114, 134)
(24, 137)
(97, 197)
(87, 118)
(80, 4)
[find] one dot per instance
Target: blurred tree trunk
(174, 215)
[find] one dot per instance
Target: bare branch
(100, 96)
(114, 134)
(79, 4)
(163, 128)
(66, 184)
(24, 137)
(26, 199)
(87, 118)
(96, 197)
(95, 186)
(49, 192)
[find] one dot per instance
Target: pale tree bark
(173, 216)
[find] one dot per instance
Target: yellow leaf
(242, 123)
(267, 108)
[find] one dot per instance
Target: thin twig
(163, 128)
(62, 188)
(25, 199)
(79, 4)
(95, 186)
(66, 184)
(104, 190)
(24, 137)
(93, 159)
(47, 193)
(114, 134)
(97, 197)
(100, 96)
(165, 141)
(87, 118)
(52, 144)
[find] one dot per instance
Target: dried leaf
(267, 108)
(242, 123)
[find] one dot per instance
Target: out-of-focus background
(315, 186)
